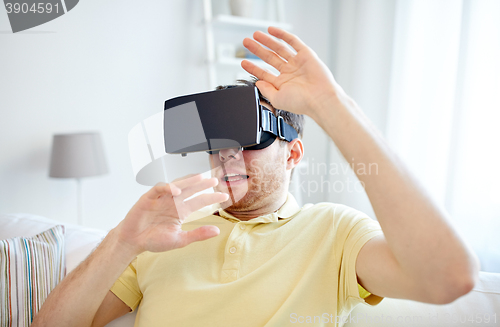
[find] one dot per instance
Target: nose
(233, 153)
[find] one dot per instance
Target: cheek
(267, 161)
(265, 168)
(213, 159)
(255, 160)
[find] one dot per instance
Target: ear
(295, 153)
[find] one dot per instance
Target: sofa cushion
(479, 307)
(80, 241)
(31, 268)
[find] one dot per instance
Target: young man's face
(260, 176)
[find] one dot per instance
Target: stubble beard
(265, 186)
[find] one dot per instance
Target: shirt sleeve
(354, 229)
(126, 287)
(363, 293)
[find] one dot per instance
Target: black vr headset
(223, 119)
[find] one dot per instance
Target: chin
(245, 204)
(243, 201)
(253, 195)
(251, 200)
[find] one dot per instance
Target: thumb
(267, 89)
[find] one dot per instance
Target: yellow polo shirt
(294, 266)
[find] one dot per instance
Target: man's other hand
(304, 80)
(154, 222)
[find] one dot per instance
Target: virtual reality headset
(229, 118)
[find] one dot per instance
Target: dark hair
(294, 120)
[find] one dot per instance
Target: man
(268, 262)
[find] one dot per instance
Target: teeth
(226, 177)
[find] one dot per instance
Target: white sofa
(479, 307)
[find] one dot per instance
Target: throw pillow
(30, 268)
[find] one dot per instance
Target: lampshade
(77, 155)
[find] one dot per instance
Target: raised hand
(154, 222)
(304, 80)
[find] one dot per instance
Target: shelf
(248, 22)
(220, 60)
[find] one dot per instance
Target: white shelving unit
(228, 20)
(238, 27)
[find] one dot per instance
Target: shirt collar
(289, 209)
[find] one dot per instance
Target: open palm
(303, 80)
(154, 222)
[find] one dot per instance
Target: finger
(186, 181)
(174, 188)
(196, 235)
(198, 187)
(204, 200)
(161, 189)
(183, 177)
(258, 72)
(265, 54)
(267, 90)
(289, 38)
(277, 46)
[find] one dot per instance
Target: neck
(271, 207)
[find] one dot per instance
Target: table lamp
(77, 155)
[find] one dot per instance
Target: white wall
(105, 66)
(363, 32)
(312, 23)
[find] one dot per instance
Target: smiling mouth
(234, 177)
